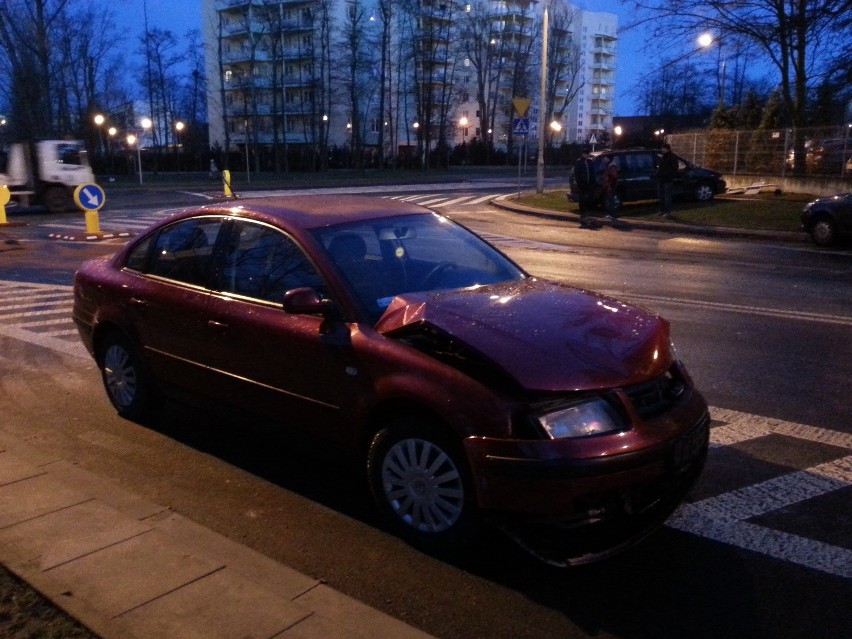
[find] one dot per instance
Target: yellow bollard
(4, 200)
(93, 224)
(89, 198)
(226, 180)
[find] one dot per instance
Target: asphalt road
(758, 551)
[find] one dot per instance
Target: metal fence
(828, 150)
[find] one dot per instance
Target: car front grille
(656, 396)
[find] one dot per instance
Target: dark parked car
(824, 156)
(828, 219)
(637, 169)
(471, 391)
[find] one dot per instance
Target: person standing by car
(610, 184)
(666, 174)
(584, 178)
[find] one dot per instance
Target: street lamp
(99, 121)
(131, 140)
(112, 133)
(618, 130)
(705, 40)
(146, 125)
(179, 128)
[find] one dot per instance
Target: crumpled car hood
(546, 336)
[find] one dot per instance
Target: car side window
(184, 251)
(644, 163)
(263, 263)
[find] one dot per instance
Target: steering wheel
(434, 275)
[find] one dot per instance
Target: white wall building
(267, 96)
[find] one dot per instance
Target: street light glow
(99, 119)
(705, 39)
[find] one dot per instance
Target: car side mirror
(306, 301)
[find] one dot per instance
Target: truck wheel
(56, 199)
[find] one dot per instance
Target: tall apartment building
(265, 86)
(589, 111)
(592, 110)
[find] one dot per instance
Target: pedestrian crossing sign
(521, 126)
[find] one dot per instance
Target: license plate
(692, 444)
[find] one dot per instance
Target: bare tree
(480, 45)
(355, 45)
(675, 89)
(25, 27)
(796, 37)
(563, 78)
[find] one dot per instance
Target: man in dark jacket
(666, 174)
(584, 178)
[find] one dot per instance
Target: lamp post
(705, 40)
(463, 122)
(112, 133)
(131, 140)
(542, 103)
(179, 128)
(146, 124)
(99, 121)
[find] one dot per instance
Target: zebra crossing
(437, 200)
(115, 226)
(40, 314)
(805, 469)
(124, 225)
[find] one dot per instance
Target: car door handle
(217, 325)
(138, 303)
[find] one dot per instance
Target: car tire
(124, 377)
(823, 231)
(704, 193)
(421, 485)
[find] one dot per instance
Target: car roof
(315, 211)
(634, 150)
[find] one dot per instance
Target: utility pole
(542, 107)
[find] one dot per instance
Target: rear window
(181, 252)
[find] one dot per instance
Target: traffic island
(88, 237)
(89, 198)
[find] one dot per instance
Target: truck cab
(45, 172)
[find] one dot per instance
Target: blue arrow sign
(521, 126)
(89, 197)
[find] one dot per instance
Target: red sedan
(472, 391)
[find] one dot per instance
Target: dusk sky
(180, 16)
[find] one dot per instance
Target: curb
(653, 225)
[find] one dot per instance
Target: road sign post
(89, 198)
(4, 200)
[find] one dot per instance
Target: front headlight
(582, 420)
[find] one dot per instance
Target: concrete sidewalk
(128, 568)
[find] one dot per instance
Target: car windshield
(383, 258)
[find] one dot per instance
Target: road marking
(737, 308)
(723, 518)
(823, 318)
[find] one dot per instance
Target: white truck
(45, 172)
